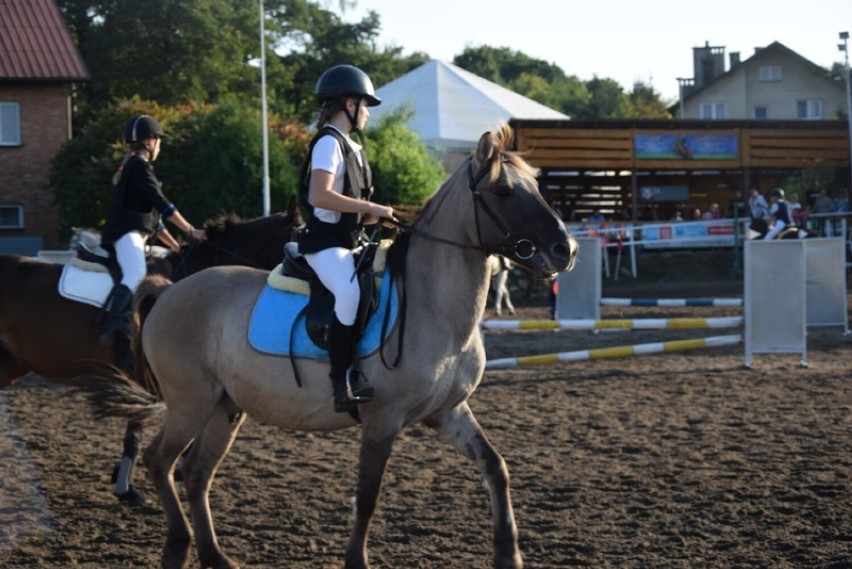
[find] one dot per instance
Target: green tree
(317, 38)
(169, 51)
(218, 167)
(405, 172)
(605, 99)
(643, 103)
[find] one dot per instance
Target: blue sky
(625, 40)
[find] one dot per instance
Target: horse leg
(460, 428)
(372, 462)
(199, 468)
(11, 369)
(160, 457)
(123, 473)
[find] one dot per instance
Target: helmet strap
(353, 120)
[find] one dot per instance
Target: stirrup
(351, 397)
(364, 393)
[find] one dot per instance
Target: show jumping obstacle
(636, 324)
(615, 352)
(669, 302)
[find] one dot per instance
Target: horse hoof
(133, 498)
(175, 555)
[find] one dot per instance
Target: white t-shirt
(328, 156)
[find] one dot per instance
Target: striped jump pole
(636, 324)
(671, 302)
(615, 352)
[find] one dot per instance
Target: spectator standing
(759, 211)
(738, 206)
(712, 213)
(824, 204)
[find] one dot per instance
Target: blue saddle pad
(275, 310)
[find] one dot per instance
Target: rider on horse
(779, 211)
(134, 214)
(337, 185)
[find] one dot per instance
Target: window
(770, 73)
(10, 124)
(714, 111)
(761, 112)
(11, 216)
(809, 109)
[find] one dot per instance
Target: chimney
(735, 59)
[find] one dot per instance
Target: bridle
(522, 248)
(516, 249)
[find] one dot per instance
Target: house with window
(776, 83)
(39, 67)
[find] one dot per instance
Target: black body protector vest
(357, 183)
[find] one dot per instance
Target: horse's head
(510, 216)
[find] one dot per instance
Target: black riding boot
(349, 388)
(119, 316)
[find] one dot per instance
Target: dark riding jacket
(782, 212)
(137, 202)
(357, 183)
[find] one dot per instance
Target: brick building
(39, 67)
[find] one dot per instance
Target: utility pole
(264, 120)
(845, 49)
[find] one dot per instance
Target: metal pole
(845, 48)
(264, 121)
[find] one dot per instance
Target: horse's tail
(120, 395)
(131, 394)
(143, 301)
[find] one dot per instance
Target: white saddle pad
(89, 287)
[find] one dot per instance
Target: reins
(478, 200)
(522, 248)
(218, 249)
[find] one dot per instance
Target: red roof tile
(35, 43)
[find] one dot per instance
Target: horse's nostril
(560, 251)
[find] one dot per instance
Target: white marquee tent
(453, 107)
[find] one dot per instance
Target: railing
(693, 234)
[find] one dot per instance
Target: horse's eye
(502, 191)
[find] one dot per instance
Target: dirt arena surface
(679, 460)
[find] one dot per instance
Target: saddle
(102, 257)
(319, 311)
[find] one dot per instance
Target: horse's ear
(484, 148)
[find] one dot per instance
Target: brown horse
(209, 377)
(44, 333)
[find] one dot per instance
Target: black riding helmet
(777, 193)
(141, 127)
(343, 81)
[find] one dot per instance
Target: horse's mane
(494, 149)
(223, 224)
(227, 221)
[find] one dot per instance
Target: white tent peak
(452, 107)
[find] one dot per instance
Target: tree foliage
(193, 65)
(404, 171)
(547, 83)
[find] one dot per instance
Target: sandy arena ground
(678, 460)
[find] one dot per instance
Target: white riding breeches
(776, 228)
(130, 254)
(334, 268)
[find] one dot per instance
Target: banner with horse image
(685, 146)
